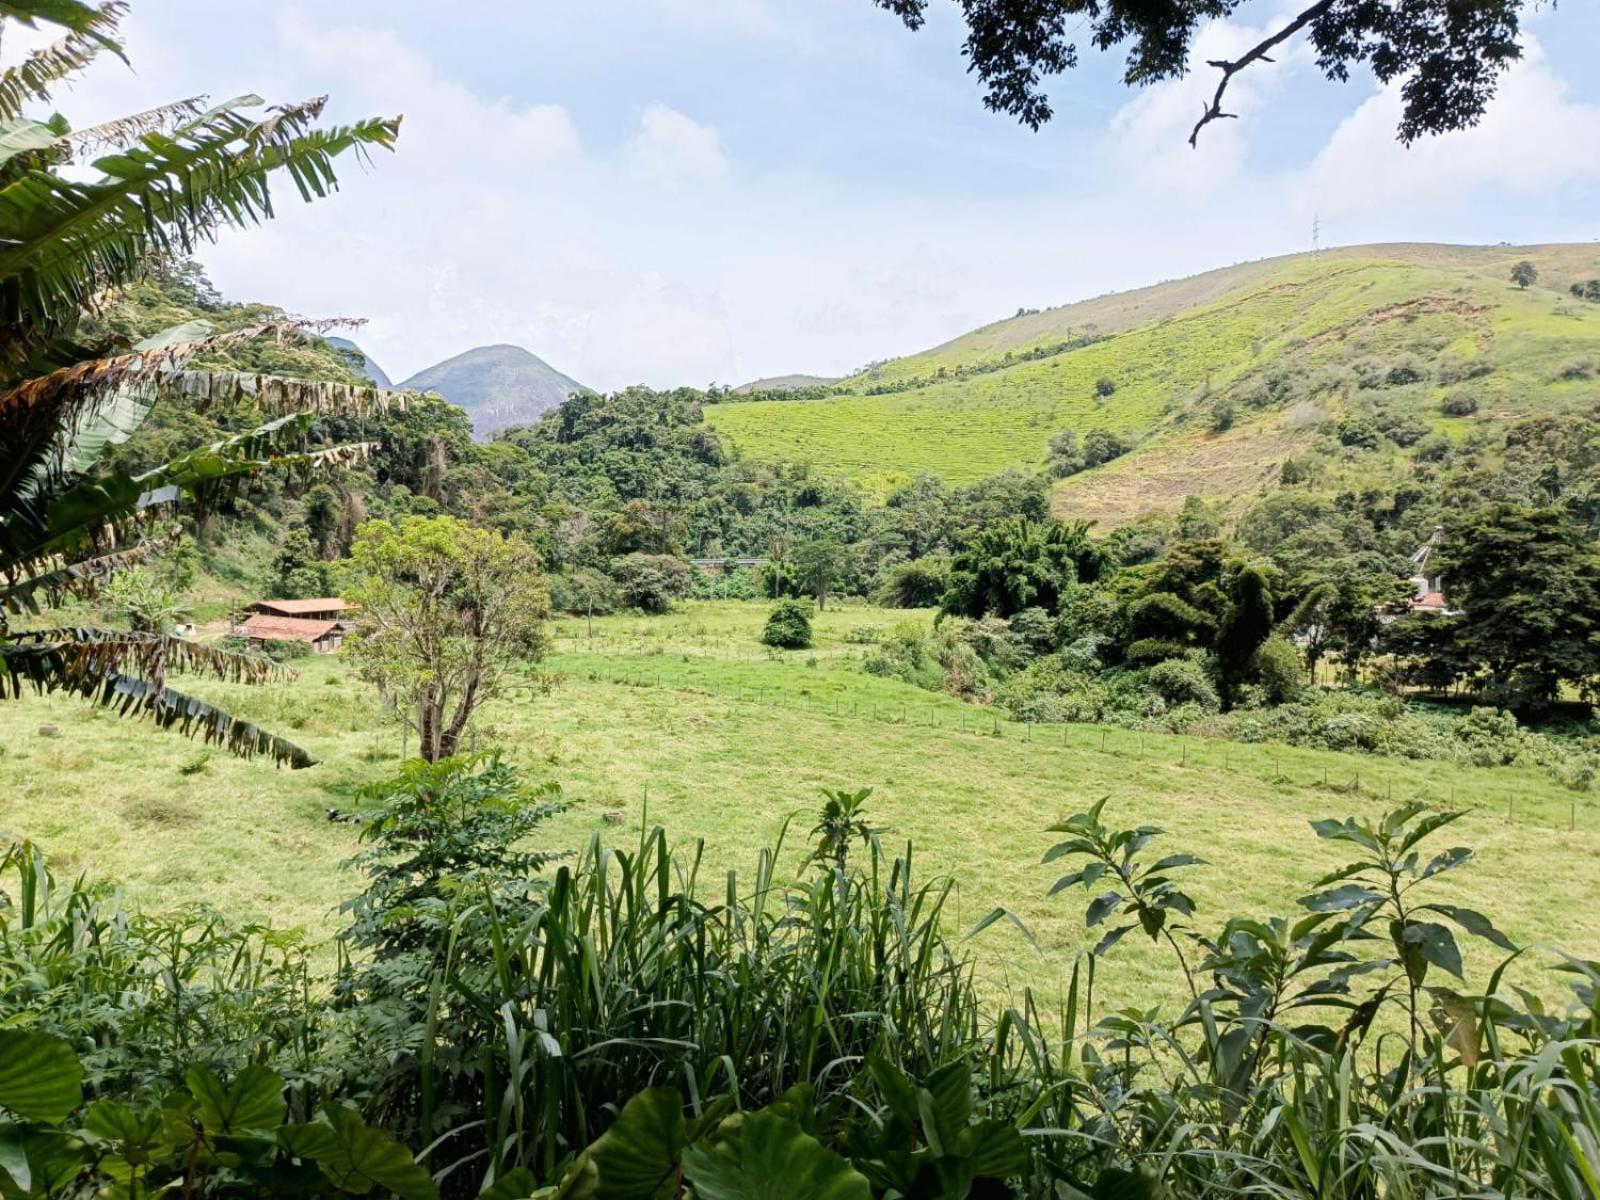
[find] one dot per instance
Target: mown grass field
(685, 721)
(1171, 349)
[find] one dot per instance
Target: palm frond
(124, 131)
(39, 407)
(71, 667)
(82, 578)
(91, 31)
(103, 651)
(63, 241)
(39, 531)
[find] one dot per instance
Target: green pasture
(686, 721)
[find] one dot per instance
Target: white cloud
(672, 147)
(1534, 137)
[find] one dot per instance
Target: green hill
(1217, 379)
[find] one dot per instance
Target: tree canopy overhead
(1450, 54)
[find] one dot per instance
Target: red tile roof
(287, 629)
(299, 608)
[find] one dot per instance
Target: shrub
(1105, 388)
(1358, 433)
(1574, 370)
(1222, 418)
(1433, 448)
(584, 591)
(864, 635)
(1184, 681)
(1459, 404)
(651, 582)
(1278, 669)
(788, 625)
(919, 583)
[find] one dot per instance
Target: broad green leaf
(1436, 944)
(996, 1149)
(1100, 908)
(1116, 1183)
(1346, 896)
(945, 1104)
(513, 1185)
(21, 135)
(774, 1160)
(254, 1101)
(358, 1158)
(14, 1157)
(40, 1077)
(136, 1135)
(638, 1156)
(1474, 923)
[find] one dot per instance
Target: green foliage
(788, 625)
(1529, 582)
(651, 582)
(1524, 274)
(1016, 563)
(445, 611)
(920, 583)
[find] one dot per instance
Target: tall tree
(1528, 580)
(1450, 54)
(72, 231)
(446, 611)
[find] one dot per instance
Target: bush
(1433, 448)
(1105, 388)
(919, 583)
(1458, 404)
(1184, 681)
(788, 625)
(584, 591)
(1278, 669)
(651, 582)
(1222, 418)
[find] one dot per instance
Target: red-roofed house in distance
(321, 623)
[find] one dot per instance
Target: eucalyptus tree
(82, 214)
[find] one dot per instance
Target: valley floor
(686, 721)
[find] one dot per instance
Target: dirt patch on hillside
(1421, 306)
(1235, 466)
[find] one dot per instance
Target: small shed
(323, 636)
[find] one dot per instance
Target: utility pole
(1316, 233)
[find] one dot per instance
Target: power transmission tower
(1316, 233)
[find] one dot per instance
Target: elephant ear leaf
(40, 1077)
(1116, 1183)
(357, 1158)
(774, 1159)
(637, 1158)
(254, 1101)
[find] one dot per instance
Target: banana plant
(169, 178)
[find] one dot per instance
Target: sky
(710, 191)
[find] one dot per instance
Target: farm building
(324, 608)
(324, 637)
(321, 623)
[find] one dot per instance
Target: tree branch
(1257, 53)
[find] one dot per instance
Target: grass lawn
(687, 722)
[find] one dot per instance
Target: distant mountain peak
(498, 386)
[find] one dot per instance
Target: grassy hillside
(686, 721)
(1290, 343)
